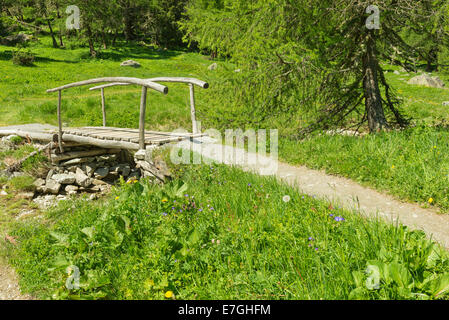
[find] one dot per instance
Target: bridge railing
(192, 82)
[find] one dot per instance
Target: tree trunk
(114, 39)
(128, 21)
(61, 42)
(103, 39)
(55, 43)
(373, 101)
(93, 53)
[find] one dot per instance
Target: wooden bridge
(124, 138)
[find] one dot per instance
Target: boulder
(213, 66)
(428, 81)
(130, 63)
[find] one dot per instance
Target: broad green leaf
(63, 239)
(89, 232)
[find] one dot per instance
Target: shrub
(23, 58)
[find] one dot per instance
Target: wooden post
(103, 107)
(143, 104)
(195, 129)
(60, 122)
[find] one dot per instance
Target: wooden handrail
(143, 82)
(194, 81)
(190, 81)
(145, 85)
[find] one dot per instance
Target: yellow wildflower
(169, 294)
(116, 198)
(430, 200)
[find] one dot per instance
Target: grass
(219, 233)
(411, 164)
(419, 102)
(23, 97)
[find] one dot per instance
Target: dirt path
(338, 190)
(9, 288)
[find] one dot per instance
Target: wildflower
(164, 200)
(316, 249)
(392, 167)
(186, 195)
(218, 241)
(338, 219)
(430, 200)
(200, 209)
(331, 215)
(213, 240)
(169, 294)
(286, 198)
(164, 213)
(249, 184)
(116, 198)
(311, 239)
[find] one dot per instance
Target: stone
(125, 169)
(77, 161)
(428, 81)
(17, 174)
(446, 104)
(130, 63)
(213, 66)
(90, 169)
(64, 178)
(51, 186)
(50, 173)
(72, 169)
(135, 174)
(107, 158)
(97, 182)
(45, 202)
(140, 155)
(82, 179)
(39, 182)
(101, 173)
(26, 195)
(10, 138)
(71, 190)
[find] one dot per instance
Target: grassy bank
(24, 99)
(220, 233)
(411, 164)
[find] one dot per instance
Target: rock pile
(96, 174)
(92, 170)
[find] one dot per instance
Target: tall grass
(220, 233)
(412, 164)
